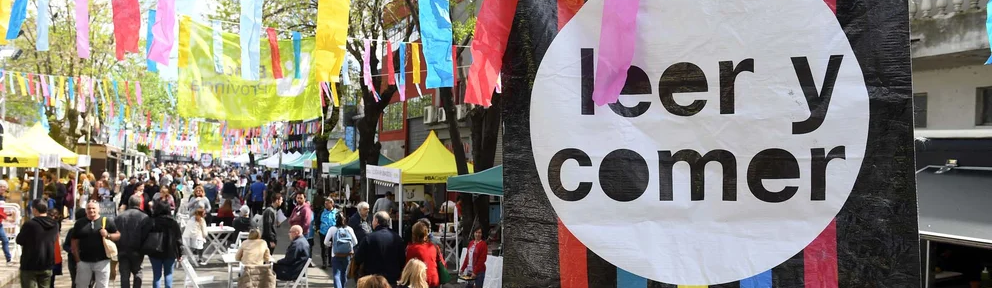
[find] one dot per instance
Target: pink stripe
(83, 28)
(162, 31)
(617, 41)
(820, 259)
(137, 91)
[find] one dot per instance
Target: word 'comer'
(623, 175)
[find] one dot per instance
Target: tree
(62, 60)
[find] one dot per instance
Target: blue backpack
(342, 242)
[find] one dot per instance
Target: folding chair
(242, 236)
(190, 255)
(303, 278)
(192, 280)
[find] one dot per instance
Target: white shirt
(329, 239)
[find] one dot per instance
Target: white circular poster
(731, 148)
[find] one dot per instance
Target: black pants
(324, 253)
(256, 207)
(130, 265)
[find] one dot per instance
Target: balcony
(947, 33)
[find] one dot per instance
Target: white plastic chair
(303, 278)
(190, 255)
(192, 280)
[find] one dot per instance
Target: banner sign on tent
(721, 164)
(383, 173)
(204, 93)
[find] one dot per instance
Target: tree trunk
(485, 123)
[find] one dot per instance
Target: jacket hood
(46, 222)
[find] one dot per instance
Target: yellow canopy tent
(16, 154)
(39, 140)
(339, 154)
(431, 163)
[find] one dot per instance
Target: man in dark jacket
(269, 219)
(134, 226)
(382, 252)
(297, 255)
(37, 240)
(360, 222)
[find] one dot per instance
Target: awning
(298, 162)
(353, 167)
(954, 205)
(431, 163)
(15, 154)
(37, 139)
(488, 182)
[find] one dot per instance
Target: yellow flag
(24, 86)
(61, 90)
(184, 39)
(334, 94)
(5, 8)
(332, 34)
(416, 62)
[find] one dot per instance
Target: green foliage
(62, 60)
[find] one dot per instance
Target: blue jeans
(339, 270)
(158, 267)
(6, 244)
(479, 280)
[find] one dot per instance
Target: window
(392, 117)
(920, 110)
(983, 107)
(415, 106)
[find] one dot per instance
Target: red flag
(492, 30)
(274, 51)
(31, 84)
(127, 22)
(390, 74)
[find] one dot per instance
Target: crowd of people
(163, 213)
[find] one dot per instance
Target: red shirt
(426, 252)
(478, 259)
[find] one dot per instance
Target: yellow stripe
(332, 35)
(334, 94)
(5, 7)
(184, 39)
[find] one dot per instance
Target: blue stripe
(763, 280)
(629, 280)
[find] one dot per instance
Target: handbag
(153, 244)
(108, 246)
(442, 271)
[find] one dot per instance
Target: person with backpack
(342, 240)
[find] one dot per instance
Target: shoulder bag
(109, 246)
(442, 271)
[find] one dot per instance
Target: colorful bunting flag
(251, 30)
(127, 22)
(82, 9)
(17, 15)
(274, 52)
(332, 34)
(163, 32)
(415, 50)
(368, 69)
(5, 7)
(435, 30)
(388, 65)
(42, 20)
(401, 76)
(184, 39)
(297, 39)
(149, 39)
(492, 30)
(616, 50)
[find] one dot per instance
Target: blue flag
(42, 21)
(251, 30)
(17, 15)
(435, 32)
(152, 66)
(296, 55)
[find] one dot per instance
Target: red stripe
(571, 259)
(567, 10)
(832, 4)
(820, 259)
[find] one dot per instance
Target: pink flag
(617, 40)
(83, 28)
(137, 91)
(90, 84)
(44, 87)
(368, 69)
(162, 31)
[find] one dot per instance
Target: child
(47, 196)
(195, 234)
(474, 266)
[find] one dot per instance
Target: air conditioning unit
(429, 115)
(441, 117)
(462, 111)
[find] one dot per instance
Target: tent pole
(368, 191)
(400, 229)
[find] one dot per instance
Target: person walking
(382, 252)
(134, 225)
(4, 186)
(87, 242)
(257, 198)
(343, 241)
(165, 259)
(195, 234)
(424, 250)
(269, 219)
(328, 219)
(199, 201)
(361, 222)
(37, 239)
